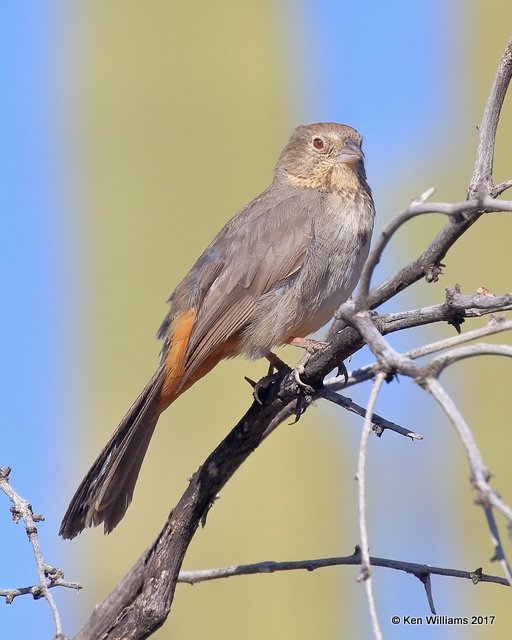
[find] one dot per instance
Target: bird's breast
(335, 259)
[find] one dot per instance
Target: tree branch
(379, 423)
(503, 186)
(496, 325)
(418, 570)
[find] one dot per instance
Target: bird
(274, 274)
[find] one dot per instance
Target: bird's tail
(107, 489)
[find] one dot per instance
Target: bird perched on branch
(275, 273)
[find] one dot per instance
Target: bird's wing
(259, 250)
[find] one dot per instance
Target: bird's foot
(299, 369)
(311, 346)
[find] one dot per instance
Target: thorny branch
(48, 576)
(418, 570)
(140, 603)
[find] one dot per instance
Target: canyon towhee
(275, 273)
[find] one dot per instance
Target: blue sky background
(39, 277)
(386, 66)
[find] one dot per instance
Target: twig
(503, 186)
(454, 310)
(378, 421)
(440, 363)
(365, 574)
(35, 589)
(418, 570)
(499, 553)
(482, 172)
(495, 325)
(47, 576)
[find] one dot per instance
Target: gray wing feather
(258, 250)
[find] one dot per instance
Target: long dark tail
(107, 489)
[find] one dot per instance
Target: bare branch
(440, 363)
(389, 360)
(500, 188)
(455, 315)
(418, 570)
(496, 325)
(47, 576)
(427, 583)
(378, 421)
(499, 553)
(482, 173)
(35, 590)
(365, 574)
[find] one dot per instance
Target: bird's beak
(349, 154)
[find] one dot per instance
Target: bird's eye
(318, 143)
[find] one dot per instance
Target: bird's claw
(262, 385)
(299, 369)
(306, 391)
(266, 382)
(300, 407)
(342, 371)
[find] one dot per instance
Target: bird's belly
(290, 315)
(315, 317)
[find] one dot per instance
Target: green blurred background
(170, 116)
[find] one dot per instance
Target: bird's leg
(310, 346)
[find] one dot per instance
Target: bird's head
(325, 155)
